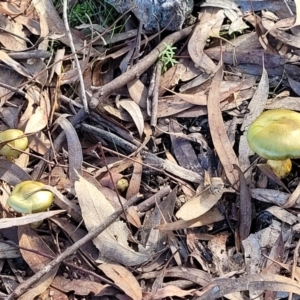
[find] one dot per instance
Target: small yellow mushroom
(29, 197)
(122, 185)
(275, 135)
(18, 142)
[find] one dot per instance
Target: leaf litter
(208, 219)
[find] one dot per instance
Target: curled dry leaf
(138, 92)
(112, 242)
(135, 112)
(37, 121)
(218, 131)
(123, 279)
(199, 37)
(47, 11)
(136, 178)
(74, 147)
(201, 203)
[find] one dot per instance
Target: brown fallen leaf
(28, 219)
(112, 242)
(37, 121)
(136, 178)
(202, 203)
(250, 282)
(13, 37)
(13, 64)
(210, 217)
(276, 254)
(123, 279)
(135, 112)
(171, 291)
(197, 42)
(218, 132)
(47, 11)
(138, 92)
(75, 233)
(217, 246)
(29, 239)
(79, 287)
(74, 147)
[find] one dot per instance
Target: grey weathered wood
(156, 14)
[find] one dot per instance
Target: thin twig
(70, 265)
(138, 69)
(112, 181)
(154, 102)
(22, 288)
(81, 82)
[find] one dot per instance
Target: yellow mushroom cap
(27, 197)
(18, 143)
(275, 134)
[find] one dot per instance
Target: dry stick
(22, 288)
(80, 77)
(148, 157)
(29, 54)
(70, 265)
(139, 68)
(154, 102)
(146, 204)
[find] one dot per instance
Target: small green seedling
(167, 59)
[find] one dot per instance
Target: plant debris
(140, 135)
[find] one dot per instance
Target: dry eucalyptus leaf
(199, 37)
(217, 246)
(201, 203)
(79, 287)
(13, 64)
(138, 92)
(74, 147)
(219, 135)
(282, 215)
(14, 38)
(210, 217)
(123, 279)
(29, 239)
(28, 219)
(112, 242)
(171, 291)
(135, 112)
(37, 121)
(47, 11)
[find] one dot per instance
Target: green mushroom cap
(28, 197)
(275, 134)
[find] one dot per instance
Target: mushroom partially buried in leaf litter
(275, 135)
(29, 197)
(17, 142)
